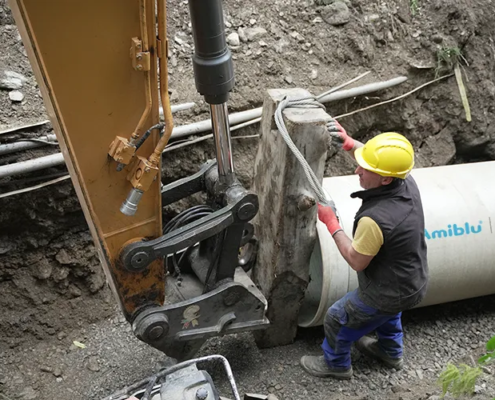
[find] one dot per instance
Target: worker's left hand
(329, 218)
(339, 135)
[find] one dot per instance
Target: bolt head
(201, 394)
(156, 332)
(246, 212)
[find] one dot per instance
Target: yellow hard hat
(387, 154)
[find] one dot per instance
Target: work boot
(317, 366)
(369, 347)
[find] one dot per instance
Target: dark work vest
(396, 278)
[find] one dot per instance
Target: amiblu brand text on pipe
(455, 230)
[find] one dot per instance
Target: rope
(304, 102)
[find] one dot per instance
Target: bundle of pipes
(459, 209)
(26, 144)
(243, 117)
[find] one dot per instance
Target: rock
(419, 373)
(262, 43)
(233, 39)
(16, 96)
(75, 291)
(397, 389)
(438, 150)
(57, 372)
(60, 274)
(437, 39)
(314, 74)
(59, 379)
(179, 41)
(93, 364)
(271, 397)
(434, 397)
(46, 368)
(173, 61)
(336, 14)
(254, 33)
(280, 45)
(289, 79)
(43, 269)
(29, 394)
(11, 80)
(252, 21)
(297, 36)
(242, 34)
(63, 257)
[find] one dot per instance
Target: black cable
(192, 214)
(214, 265)
(143, 138)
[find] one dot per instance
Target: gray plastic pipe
(26, 144)
(31, 165)
(459, 207)
(234, 119)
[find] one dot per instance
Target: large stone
(233, 39)
(336, 14)
(16, 96)
(255, 33)
(11, 80)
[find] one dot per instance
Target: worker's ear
(387, 180)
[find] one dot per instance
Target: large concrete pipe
(459, 207)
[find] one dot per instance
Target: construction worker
(388, 252)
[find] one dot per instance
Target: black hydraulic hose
(143, 138)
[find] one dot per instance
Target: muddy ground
(53, 290)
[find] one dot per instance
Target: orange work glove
(339, 135)
(328, 217)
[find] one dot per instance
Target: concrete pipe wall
(459, 207)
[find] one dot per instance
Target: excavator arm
(102, 67)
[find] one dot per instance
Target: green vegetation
(414, 7)
(462, 380)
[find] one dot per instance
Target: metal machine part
(221, 131)
(178, 328)
(179, 382)
(129, 206)
(212, 60)
(114, 120)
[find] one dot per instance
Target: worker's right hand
(339, 136)
(328, 217)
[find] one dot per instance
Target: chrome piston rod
(223, 148)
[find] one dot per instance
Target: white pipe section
(360, 90)
(31, 165)
(177, 107)
(459, 207)
(26, 144)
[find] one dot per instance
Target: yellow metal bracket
(140, 59)
(143, 174)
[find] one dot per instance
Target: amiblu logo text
(454, 230)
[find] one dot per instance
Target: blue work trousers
(348, 320)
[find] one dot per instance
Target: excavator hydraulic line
(214, 76)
